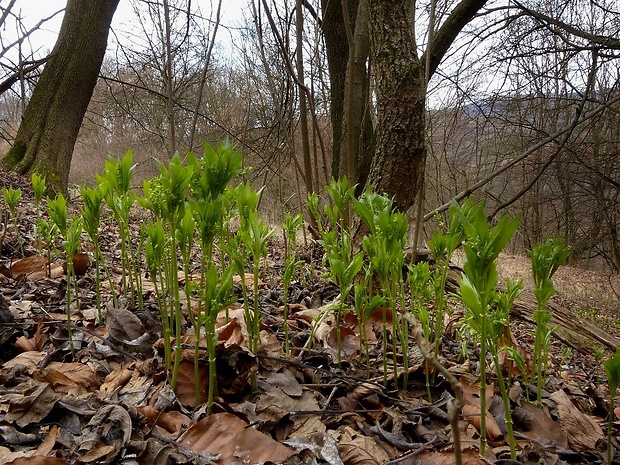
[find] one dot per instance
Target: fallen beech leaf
(582, 430)
(36, 342)
(125, 327)
(185, 388)
(248, 278)
(322, 445)
(469, 457)
(28, 403)
(535, 424)
(231, 328)
(230, 436)
(7, 320)
(359, 449)
(114, 380)
(472, 414)
(172, 421)
(30, 268)
(49, 442)
(327, 334)
(68, 377)
(286, 381)
(30, 360)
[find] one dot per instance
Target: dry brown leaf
(535, 424)
(270, 344)
(68, 377)
(582, 430)
(114, 380)
(28, 403)
(30, 268)
(472, 414)
(30, 360)
(185, 388)
(228, 435)
(469, 457)
(36, 342)
(106, 434)
(327, 334)
(231, 328)
(359, 449)
(286, 381)
(248, 278)
(307, 315)
(125, 327)
(46, 446)
(172, 421)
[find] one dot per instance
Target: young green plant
(546, 259)
(612, 369)
(482, 247)
(343, 264)
(115, 180)
(71, 245)
(91, 218)
(38, 188)
(209, 182)
(421, 289)
(384, 248)
(155, 252)
(499, 325)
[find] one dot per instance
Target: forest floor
(112, 401)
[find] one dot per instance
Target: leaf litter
(112, 403)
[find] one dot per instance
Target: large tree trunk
(400, 87)
(337, 51)
(52, 120)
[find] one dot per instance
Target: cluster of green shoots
(191, 203)
(546, 259)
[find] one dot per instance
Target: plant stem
(483, 373)
(506, 400)
(69, 328)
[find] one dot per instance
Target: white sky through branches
(42, 41)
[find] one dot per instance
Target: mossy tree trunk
(50, 125)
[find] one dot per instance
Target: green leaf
(612, 369)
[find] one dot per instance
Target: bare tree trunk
(169, 80)
(400, 86)
(337, 51)
(356, 101)
(303, 107)
(50, 125)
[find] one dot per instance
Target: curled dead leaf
(234, 440)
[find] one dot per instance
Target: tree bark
(50, 125)
(400, 75)
(357, 125)
(400, 88)
(337, 51)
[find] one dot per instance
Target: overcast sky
(32, 11)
